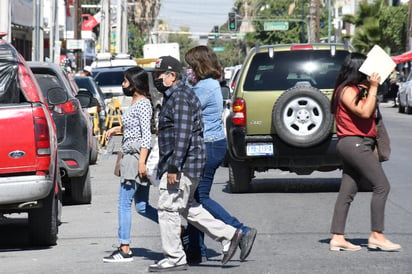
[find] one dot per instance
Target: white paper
(378, 61)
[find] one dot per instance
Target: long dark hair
(204, 63)
(138, 79)
(349, 75)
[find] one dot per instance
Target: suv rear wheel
(81, 190)
(240, 176)
(301, 116)
(43, 221)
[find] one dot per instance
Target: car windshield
(287, 68)
(109, 78)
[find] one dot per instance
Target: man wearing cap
(181, 164)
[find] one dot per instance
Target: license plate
(259, 149)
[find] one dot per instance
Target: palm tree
(378, 23)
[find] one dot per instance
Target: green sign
(215, 49)
(269, 26)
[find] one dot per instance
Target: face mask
(159, 84)
(128, 91)
(191, 77)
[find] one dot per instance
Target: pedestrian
(393, 87)
(181, 165)
(136, 145)
(354, 104)
(87, 71)
(206, 72)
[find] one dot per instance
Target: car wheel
(43, 221)
(81, 190)
(401, 109)
(408, 108)
(94, 152)
(239, 176)
(301, 116)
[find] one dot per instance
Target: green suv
(280, 116)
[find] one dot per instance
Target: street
(291, 213)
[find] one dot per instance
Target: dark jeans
(360, 164)
(215, 153)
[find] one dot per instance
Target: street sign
(216, 49)
(74, 44)
(269, 26)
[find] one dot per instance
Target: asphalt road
(291, 213)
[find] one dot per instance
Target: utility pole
(78, 32)
(105, 27)
(37, 49)
(121, 27)
(314, 20)
(409, 28)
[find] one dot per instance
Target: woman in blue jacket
(206, 71)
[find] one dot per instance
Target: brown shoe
(383, 245)
(347, 246)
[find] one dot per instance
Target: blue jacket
(209, 93)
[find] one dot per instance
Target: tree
(380, 24)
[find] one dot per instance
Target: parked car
(233, 79)
(29, 171)
(88, 83)
(405, 96)
(74, 130)
(281, 115)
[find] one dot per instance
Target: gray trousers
(176, 201)
(360, 165)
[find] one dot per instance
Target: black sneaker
(246, 243)
(118, 256)
(234, 242)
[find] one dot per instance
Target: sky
(199, 15)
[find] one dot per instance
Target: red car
(29, 173)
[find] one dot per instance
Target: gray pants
(176, 201)
(360, 165)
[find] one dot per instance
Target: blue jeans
(215, 153)
(130, 190)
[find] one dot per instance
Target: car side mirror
(56, 96)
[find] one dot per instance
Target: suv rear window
(109, 78)
(287, 68)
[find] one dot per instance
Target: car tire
(408, 108)
(94, 152)
(302, 117)
(43, 221)
(81, 190)
(239, 176)
(401, 109)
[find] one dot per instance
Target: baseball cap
(168, 63)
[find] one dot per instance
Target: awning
(402, 58)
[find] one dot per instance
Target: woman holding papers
(354, 104)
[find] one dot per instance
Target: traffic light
(216, 31)
(232, 21)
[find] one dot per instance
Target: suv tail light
(70, 107)
(239, 112)
(41, 131)
(301, 47)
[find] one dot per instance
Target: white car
(405, 96)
